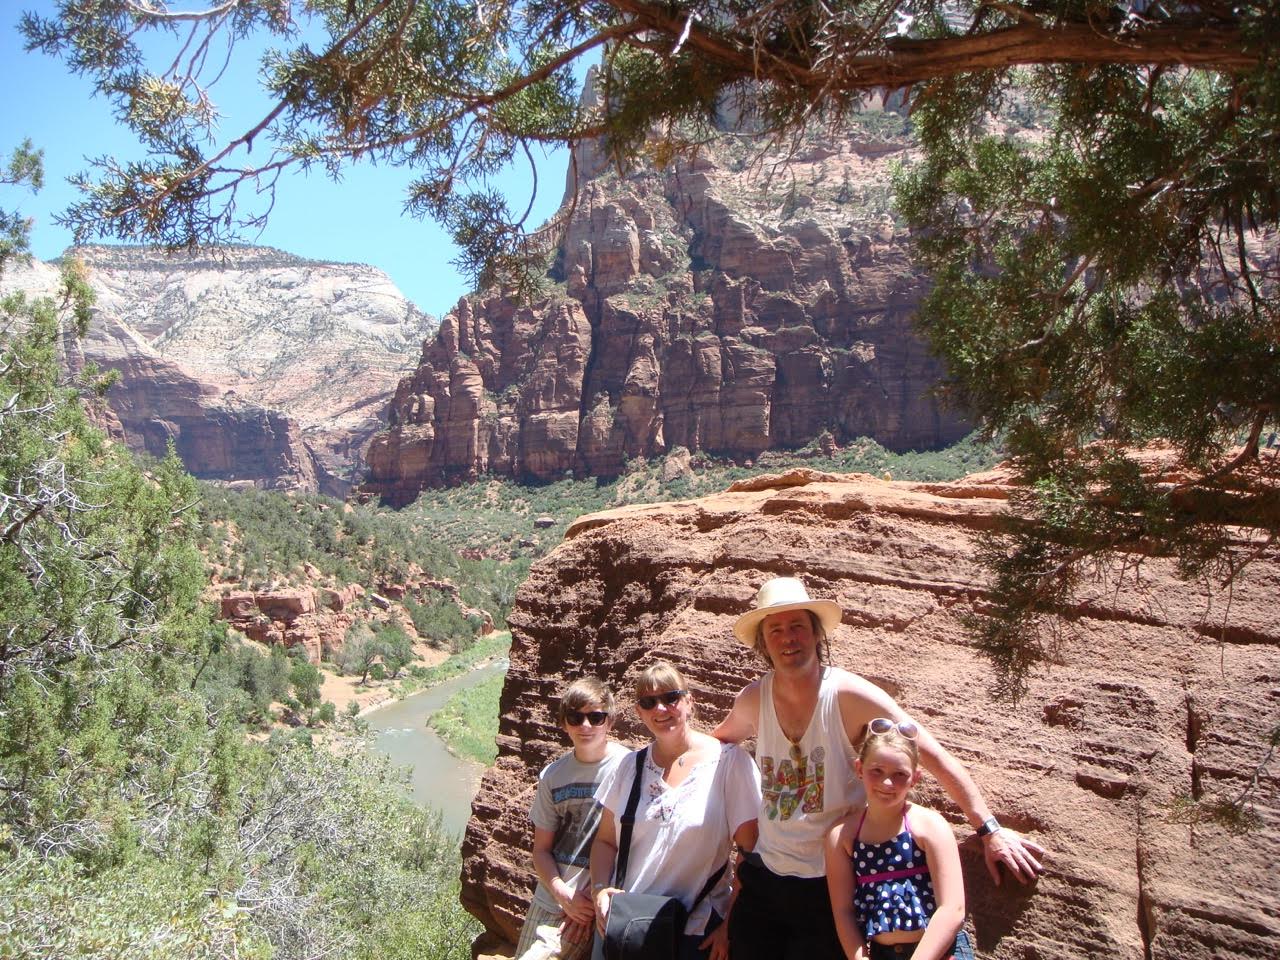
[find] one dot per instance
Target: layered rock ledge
(1150, 704)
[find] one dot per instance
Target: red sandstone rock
(1148, 702)
(338, 600)
(238, 606)
(286, 604)
(311, 619)
(696, 313)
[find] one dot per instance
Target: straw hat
(778, 596)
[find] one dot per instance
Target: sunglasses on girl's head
(670, 698)
(884, 725)
(575, 718)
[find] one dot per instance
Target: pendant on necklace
(797, 755)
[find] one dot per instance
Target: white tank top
(806, 786)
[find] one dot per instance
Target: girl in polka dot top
(893, 869)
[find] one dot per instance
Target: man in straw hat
(806, 717)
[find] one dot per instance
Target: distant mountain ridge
(262, 367)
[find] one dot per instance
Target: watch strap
(989, 826)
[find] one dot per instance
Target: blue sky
(358, 220)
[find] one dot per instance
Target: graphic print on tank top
(795, 781)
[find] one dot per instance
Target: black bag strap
(628, 821)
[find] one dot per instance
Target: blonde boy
(565, 816)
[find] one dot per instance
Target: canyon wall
(259, 366)
(729, 303)
(1150, 712)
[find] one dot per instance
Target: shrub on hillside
(441, 623)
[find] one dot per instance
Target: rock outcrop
(259, 366)
(719, 305)
(316, 620)
(1150, 704)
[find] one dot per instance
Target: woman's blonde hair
(659, 675)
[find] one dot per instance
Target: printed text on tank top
(894, 888)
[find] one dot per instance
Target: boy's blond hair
(583, 692)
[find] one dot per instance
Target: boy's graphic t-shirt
(565, 804)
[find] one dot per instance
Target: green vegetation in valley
(379, 651)
(468, 722)
(259, 540)
(482, 535)
(240, 681)
(440, 621)
(498, 514)
(497, 644)
(138, 817)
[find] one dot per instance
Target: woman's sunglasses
(904, 727)
(670, 698)
(575, 718)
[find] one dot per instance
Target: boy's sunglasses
(670, 698)
(884, 725)
(575, 718)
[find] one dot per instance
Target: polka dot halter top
(895, 890)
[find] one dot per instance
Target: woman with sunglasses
(698, 797)
(893, 868)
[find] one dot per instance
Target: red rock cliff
(1150, 703)
(718, 305)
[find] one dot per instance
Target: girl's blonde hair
(891, 739)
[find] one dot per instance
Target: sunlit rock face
(260, 367)
(729, 303)
(1156, 696)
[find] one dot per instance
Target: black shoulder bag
(643, 926)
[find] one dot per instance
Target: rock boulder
(1149, 705)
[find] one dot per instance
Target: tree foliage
(383, 649)
(137, 819)
(1102, 283)
(25, 168)
(1103, 286)
(459, 92)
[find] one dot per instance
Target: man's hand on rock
(1019, 854)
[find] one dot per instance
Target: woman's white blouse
(683, 834)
